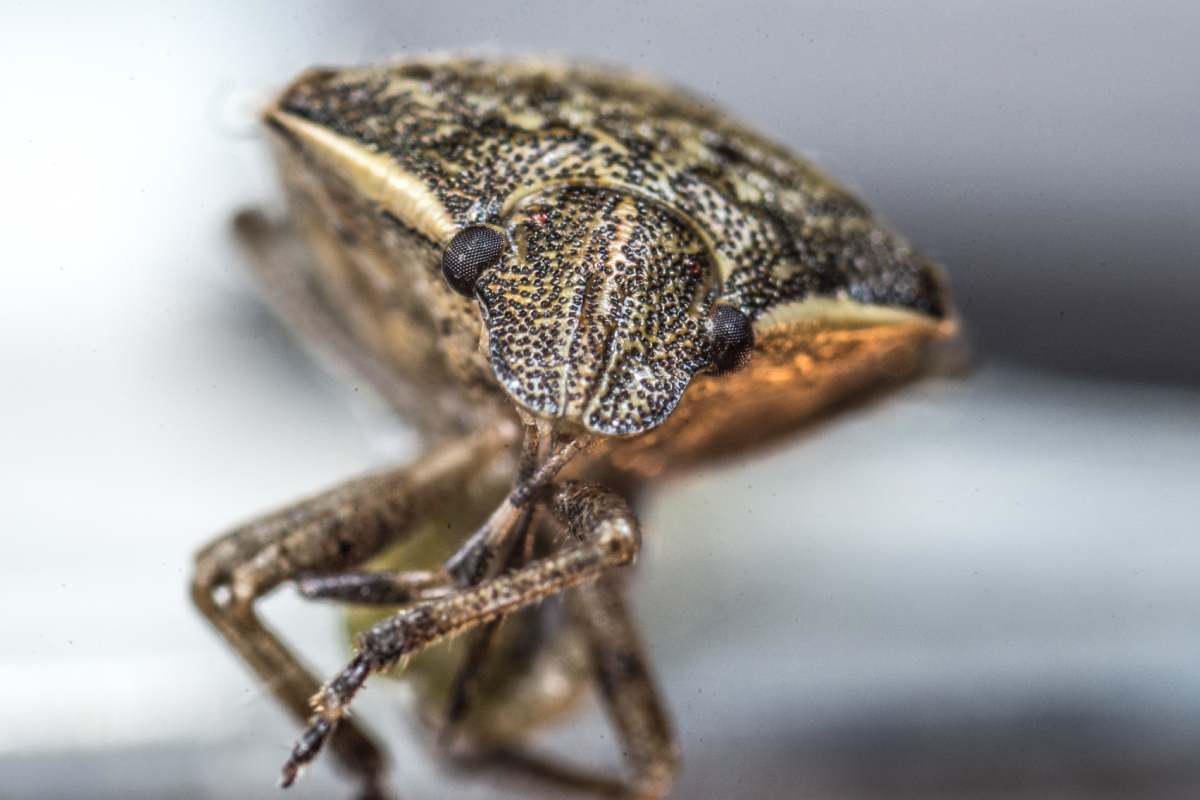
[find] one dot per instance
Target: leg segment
(332, 531)
(627, 688)
(606, 536)
(373, 588)
(462, 690)
(546, 771)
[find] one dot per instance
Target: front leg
(627, 689)
(606, 536)
(332, 531)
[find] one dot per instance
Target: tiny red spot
(539, 218)
(693, 267)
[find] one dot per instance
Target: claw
(331, 704)
(306, 749)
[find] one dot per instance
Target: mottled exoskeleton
(571, 280)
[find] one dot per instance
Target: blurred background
(977, 588)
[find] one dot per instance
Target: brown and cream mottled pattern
(656, 205)
(601, 291)
(626, 261)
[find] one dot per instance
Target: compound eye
(470, 252)
(732, 338)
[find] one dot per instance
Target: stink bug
(571, 280)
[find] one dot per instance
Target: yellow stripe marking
(374, 175)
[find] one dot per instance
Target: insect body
(572, 280)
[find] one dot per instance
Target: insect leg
(373, 588)
(462, 688)
(398, 588)
(606, 536)
(627, 687)
(547, 771)
(332, 531)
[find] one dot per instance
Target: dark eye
(470, 252)
(732, 338)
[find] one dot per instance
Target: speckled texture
(571, 159)
(588, 246)
(601, 293)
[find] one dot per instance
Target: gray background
(976, 589)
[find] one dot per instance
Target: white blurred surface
(930, 580)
